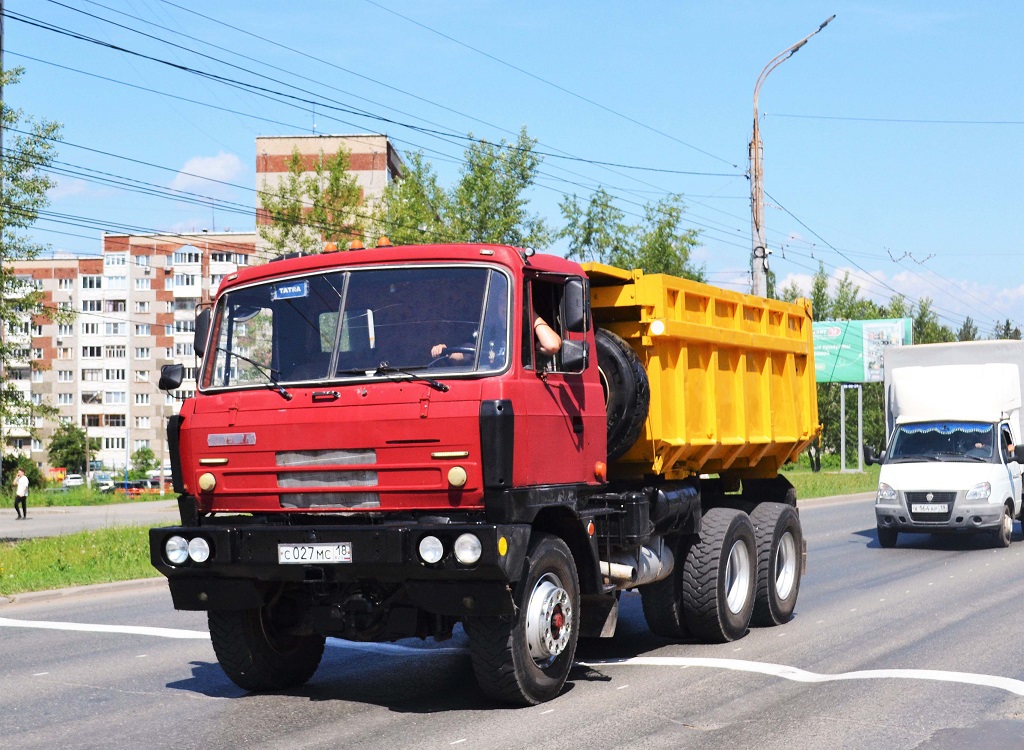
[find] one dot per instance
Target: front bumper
(961, 515)
(245, 557)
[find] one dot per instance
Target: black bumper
(245, 557)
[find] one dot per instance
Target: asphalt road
(54, 521)
(914, 647)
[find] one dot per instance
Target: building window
(37, 330)
(115, 259)
(64, 352)
(115, 305)
(114, 420)
(65, 399)
(184, 350)
(185, 326)
(142, 352)
(184, 280)
(115, 397)
(169, 352)
(142, 307)
(142, 284)
(90, 420)
(92, 282)
(65, 284)
(186, 254)
(92, 397)
(92, 375)
(90, 329)
(115, 352)
(92, 352)
(37, 444)
(142, 423)
(113, 374)
(142, 329)
(37, 376)
(65, 329)
(140, 444)
(65, 376)
(115, 282)
(114, 444)
(184, 304)
(142, 376)
(142, 399)
(92, 305)
(37, 352)
(142, 261)
(115, 329)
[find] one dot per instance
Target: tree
(307, 210)
(67, 447)
(1007, 330)
(927, 329)
(658, 244)
(968, 331)
(143, 460)
(489, 203)
(11, 464)
(29, 149)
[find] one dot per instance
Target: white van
(952, 464)
(74, 480)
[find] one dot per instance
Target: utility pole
(759, 249)
(3, 324)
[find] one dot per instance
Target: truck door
(1012, 467)
(565, 415)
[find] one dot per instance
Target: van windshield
(944, 441)
(361, 323)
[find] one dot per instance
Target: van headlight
(979, 492)
(886, 494)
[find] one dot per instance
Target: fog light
(207, 482)
(176, 550)
(457, 476)
(199, 550)
(431, 550)
(468, 549)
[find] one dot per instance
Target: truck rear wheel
(718, 577)
(779, 546)
(627, 392)
(525, 658)
(257, 655)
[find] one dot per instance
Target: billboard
(850, 351)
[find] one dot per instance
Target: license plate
(929, 508)
(312, 554)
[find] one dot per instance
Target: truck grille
(949, 498)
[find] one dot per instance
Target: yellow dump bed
(731, 375)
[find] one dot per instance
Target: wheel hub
(737, 577)
(549, 620)
(785, 566)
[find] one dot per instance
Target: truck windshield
(361, 323)
(944, 441)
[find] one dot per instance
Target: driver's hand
(438, 350)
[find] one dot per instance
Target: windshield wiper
(272, 384)
(386, 369)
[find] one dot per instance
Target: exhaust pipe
(648, 565)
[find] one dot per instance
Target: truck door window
(542, 298)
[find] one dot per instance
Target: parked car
(74, 480)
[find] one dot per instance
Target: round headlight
(176, 550)
(199, 550)
(431, 550)
(468, 549)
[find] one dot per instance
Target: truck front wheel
(525, 658)
(256, 653)
(779, 546)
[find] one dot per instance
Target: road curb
(34, 597)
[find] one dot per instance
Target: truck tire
(780, 541)
(887, 537)
(525, 658)
(663, 600)
(718, 577)
(256, 656)
(1005, 533)
(627, 392)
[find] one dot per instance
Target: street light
(759, 250)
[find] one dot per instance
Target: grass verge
(825, 483)
(115, 553)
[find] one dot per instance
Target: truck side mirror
(171, 377)
(1018, 454)
(574, 306)
(202, 331)
(574, 356)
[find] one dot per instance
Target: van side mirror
(202, 331)
(171, 377)
(574, 356)
(870, 458)
(574, 306)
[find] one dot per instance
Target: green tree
(595, 232)
(968, 331)
(14, 461)
(927, 329)
(489, 203)
(143, 460)
(67, 447)
(310, 208)
(29, 149)
(1007, 330)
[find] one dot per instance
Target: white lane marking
(773, 670)
(6, 622)
(40, 674)
(799, 675)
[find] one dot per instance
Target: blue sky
(891, 140)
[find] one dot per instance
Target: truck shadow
(942, 542)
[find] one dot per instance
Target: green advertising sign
(850, 351)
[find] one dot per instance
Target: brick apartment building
(135, 311)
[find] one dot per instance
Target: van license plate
(929, 508)
(313, 554)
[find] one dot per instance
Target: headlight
(979, 492)
(468, 549)
(199, 550)
(886, 494)
(176, 550)
(431, 550)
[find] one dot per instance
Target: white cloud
(196, 175)
(67, 187)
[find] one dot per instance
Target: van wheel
(718, 577)
(257, 654)
(1005, 533)
(887, 537)
(779, 547)
(525, 658)
(627, 392)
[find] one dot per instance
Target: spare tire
(627, 392)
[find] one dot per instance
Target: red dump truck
(377, 449)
